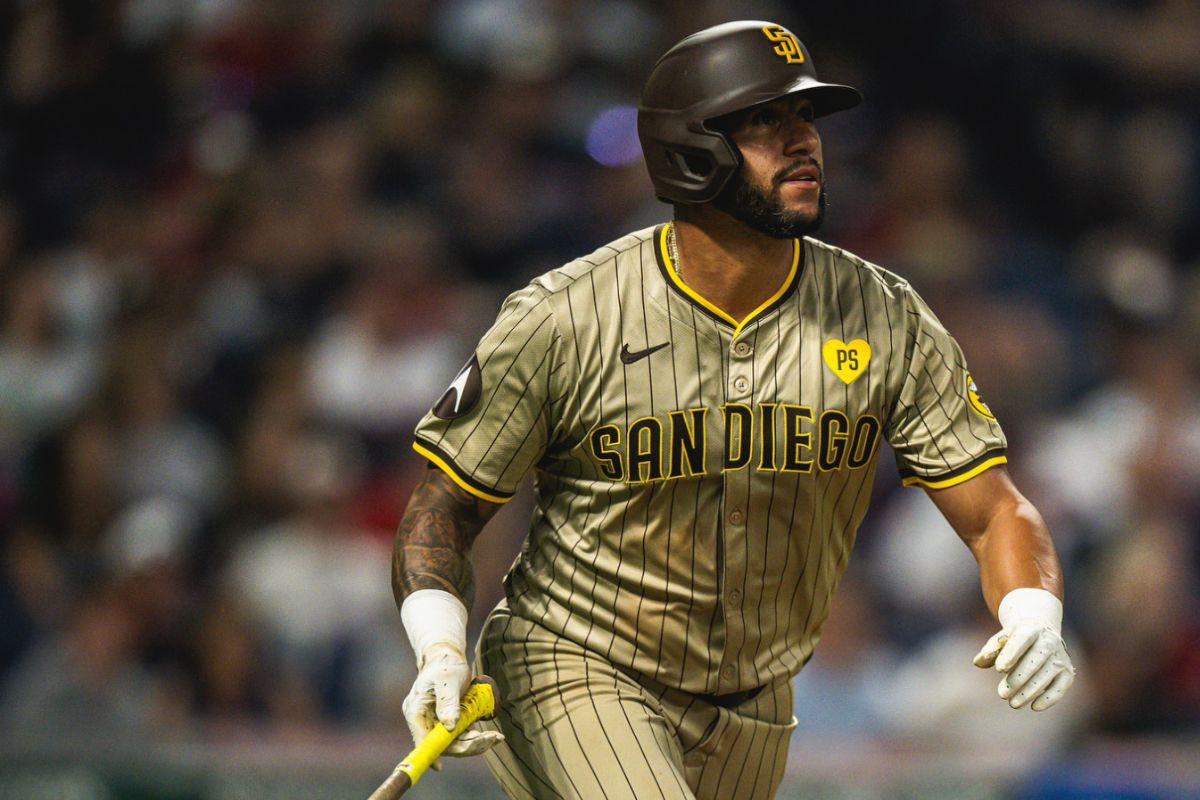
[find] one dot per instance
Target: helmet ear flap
(687, 166)
(696, 166)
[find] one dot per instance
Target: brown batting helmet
(717, 71)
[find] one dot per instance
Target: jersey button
(735, 597)
(727, 673)
(742, 349)
(736, 516)
(741, 384)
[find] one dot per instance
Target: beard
(763, 210)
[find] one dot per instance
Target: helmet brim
(827, 98)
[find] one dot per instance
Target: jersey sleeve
(492, 423)
(941, 430)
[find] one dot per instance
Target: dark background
(245, 244)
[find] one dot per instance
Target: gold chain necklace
(673, 246)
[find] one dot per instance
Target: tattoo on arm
(433, 544)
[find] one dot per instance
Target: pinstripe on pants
(578, 727)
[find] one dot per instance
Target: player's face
(780, 189)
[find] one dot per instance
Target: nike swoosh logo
(630, 356)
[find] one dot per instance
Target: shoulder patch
(976, 400)
(462, 394)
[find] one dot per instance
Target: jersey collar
(663, 255)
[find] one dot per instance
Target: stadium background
(245, 243)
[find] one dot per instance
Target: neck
(729, 264)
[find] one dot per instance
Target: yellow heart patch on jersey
(846, 359)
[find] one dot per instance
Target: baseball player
(701, 404)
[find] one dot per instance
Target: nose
(801, 138)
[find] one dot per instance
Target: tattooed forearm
(433, 544)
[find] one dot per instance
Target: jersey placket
(736, 490)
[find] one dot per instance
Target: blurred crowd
(244, 244)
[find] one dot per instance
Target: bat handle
(478, 703)
(397, 784)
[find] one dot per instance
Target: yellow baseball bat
(478, 703)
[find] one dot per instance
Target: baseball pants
(576, 726)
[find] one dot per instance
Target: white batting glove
(1029, 650)
(436, 623)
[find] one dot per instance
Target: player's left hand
(1029, 650)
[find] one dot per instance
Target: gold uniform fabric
(576, 726)
(696, 503)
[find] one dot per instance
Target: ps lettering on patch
(463, 393)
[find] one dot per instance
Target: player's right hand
(442, 679)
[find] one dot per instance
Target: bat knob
(484, 699)
(488, 707)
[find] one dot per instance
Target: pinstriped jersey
(700, 480)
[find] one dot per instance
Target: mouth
(805, 177)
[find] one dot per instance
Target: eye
(807, 113)
(765, 116)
